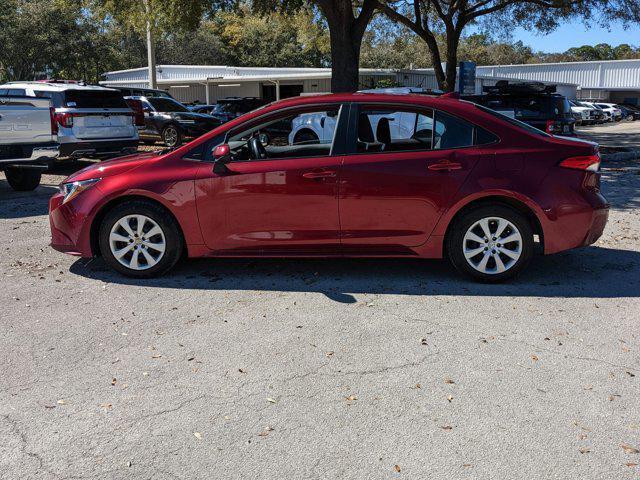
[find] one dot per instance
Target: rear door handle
(319, 174)
(445, 166)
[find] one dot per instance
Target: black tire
(169, 227)
(305, 137)
(456, 242)
(171, 136)
(23, 179)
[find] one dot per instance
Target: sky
(575, 34)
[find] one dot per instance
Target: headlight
(73, 189)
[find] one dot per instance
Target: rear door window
(94, 99)
(451, 132)
(394, 129)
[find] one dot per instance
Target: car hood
(113, 167)
(199, 117)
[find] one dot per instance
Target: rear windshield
(94, 99)
(162, 104)
(513, 121)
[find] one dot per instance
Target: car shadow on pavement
(590, 272)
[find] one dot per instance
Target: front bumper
(71, 223)
(98, 148)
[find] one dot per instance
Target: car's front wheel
(490, 243)
(139, 239)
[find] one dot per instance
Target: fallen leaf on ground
(62, 402)
(629, 449)
(352, 397)
(423, 341)
(631, 464)
(242, 370)
(106, 405)
(328, 354)
(449, 381)
(584, 450)
(198, 435)
(397, 468)
(534, 358)
(271, 400)
(113, 381)
(447, 427)
(265, 432)
(450, 398)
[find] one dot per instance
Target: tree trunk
(453, 39)
(345, 59)
(345, 32)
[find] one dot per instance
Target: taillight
(54, 123)
(589, 163)
(553, 127)
(64, 119)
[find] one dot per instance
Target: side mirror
(322, 122)
(221, 156)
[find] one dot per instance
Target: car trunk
(99, 114)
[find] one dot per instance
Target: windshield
(167, 105)
(513, 121)
(94, 99)
(226, 107)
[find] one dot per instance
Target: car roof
(361, 97)
(55, 87)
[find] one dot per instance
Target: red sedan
(372, 176)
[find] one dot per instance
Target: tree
(346, 29)
(427, 18)
(151, 17)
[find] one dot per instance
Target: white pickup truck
(28, 140)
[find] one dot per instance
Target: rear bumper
(39, 155)
(98, 148)
(576, 225)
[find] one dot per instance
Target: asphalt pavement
(319, 369)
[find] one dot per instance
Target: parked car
(171, 122)
(484, 190)
(200, 108)
(632, 110)
(142, 92)
(613, 112)
(28, 139)
(601, 115)
(229, 108)
(533, 103)
(584, 115)
(92, 121)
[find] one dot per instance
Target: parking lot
(356, 369)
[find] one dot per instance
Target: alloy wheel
(137, 242)
(170, 136)
(492, 245)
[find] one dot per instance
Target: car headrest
(365, 132)
(383, 132)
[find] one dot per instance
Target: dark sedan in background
(171, 122)
(227, 109)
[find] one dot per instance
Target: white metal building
(617, 80)
(206, 84)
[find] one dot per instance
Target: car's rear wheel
(23, 179)
(139, 239)
(490, 243)
(171, 136)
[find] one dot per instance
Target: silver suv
(93, 121)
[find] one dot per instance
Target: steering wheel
(257, 150)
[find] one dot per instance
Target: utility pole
(151, 48)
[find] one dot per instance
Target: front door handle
(445, 166)
(319, 174)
